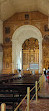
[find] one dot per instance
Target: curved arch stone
(20, 35)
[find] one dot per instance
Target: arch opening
(20, 35)
(30, 54)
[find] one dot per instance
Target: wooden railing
(38, 86)
(3, 107)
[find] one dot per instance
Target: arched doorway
(20, 35)
(30, 52)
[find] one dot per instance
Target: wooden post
(36, 91)
(28, 98)
(3, 107)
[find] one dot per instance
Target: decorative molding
(46, 39)
(30, 43)
(7, 30)
(7, 39)
(26, 16)
(26, 22)
(46, 28)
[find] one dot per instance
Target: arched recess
(20, 35)
(30, 54)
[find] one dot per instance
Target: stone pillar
(19, 56)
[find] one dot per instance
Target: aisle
(44, 91)
(41, 105)
(43, 102)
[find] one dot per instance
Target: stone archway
(20, 35)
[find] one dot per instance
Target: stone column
(19, 56)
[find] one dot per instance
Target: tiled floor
(42, 104)
(45, 90)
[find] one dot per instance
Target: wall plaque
(34, 66)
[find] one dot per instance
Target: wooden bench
(27, 72)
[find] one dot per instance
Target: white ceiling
(10, 7)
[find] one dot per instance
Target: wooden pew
(18, 86)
